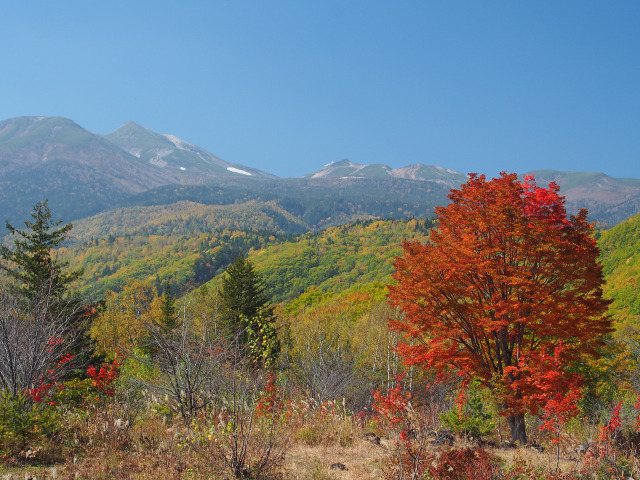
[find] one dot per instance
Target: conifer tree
(247, 312)
(32, 263)
(168, 311)
(42, 322)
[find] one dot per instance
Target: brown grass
(151, 447)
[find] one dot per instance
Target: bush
(24, 422)
(468, 418)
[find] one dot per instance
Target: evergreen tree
(247, 311)
(168, 311)
(47, 313)
(32, 264)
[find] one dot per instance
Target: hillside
(336, 259)
(609, 200)
(82, 173)
(189, 244)
(186, 243)
(621, 261)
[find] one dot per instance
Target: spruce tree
(51, 318)
(168, 311)
(247, 312)
(32, 263)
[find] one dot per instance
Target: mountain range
(82, 173)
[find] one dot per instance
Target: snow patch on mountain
(237, 170)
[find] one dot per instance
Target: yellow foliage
(121, 324)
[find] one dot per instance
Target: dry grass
(321, 443)
(362, 461)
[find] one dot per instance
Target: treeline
(317, 204)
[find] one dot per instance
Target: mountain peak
(191, 163)
(432, 173)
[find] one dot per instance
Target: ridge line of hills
(83, 174)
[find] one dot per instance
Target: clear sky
(288, 86)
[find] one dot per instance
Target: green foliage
(24, 422)
(336, 259)
(620, 259)
(75, 393)
(190, 245)
(33, 263)
(469, 417)
(168, 312)
(247, 312)
(187, 244)
(262, 341)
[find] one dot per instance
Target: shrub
(469, 418)
(24, 422)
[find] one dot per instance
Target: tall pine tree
(247, 312)
(33, 263)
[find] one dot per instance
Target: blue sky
(288, 86)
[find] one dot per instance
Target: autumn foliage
(506, 278)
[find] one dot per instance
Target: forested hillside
(188, 244)
(338, 258)
(184, 243)
(621, 261)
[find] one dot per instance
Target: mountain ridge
(82, 173)
(173, 153)
(431, 173)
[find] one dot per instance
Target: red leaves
(40, 392)
(390, 406)
(104, 378)
(608, 431)
(268, 401)
(506, 278)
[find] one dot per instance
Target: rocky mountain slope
(429, 173)
(82, 173)
(191, 163)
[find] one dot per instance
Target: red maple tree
(506, 277)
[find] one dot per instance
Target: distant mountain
(82, 173)
(430, 173)
(79, 172)
(173, 154)
(609, 200)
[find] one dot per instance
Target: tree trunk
(517, 428)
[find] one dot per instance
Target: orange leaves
(507, 277)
